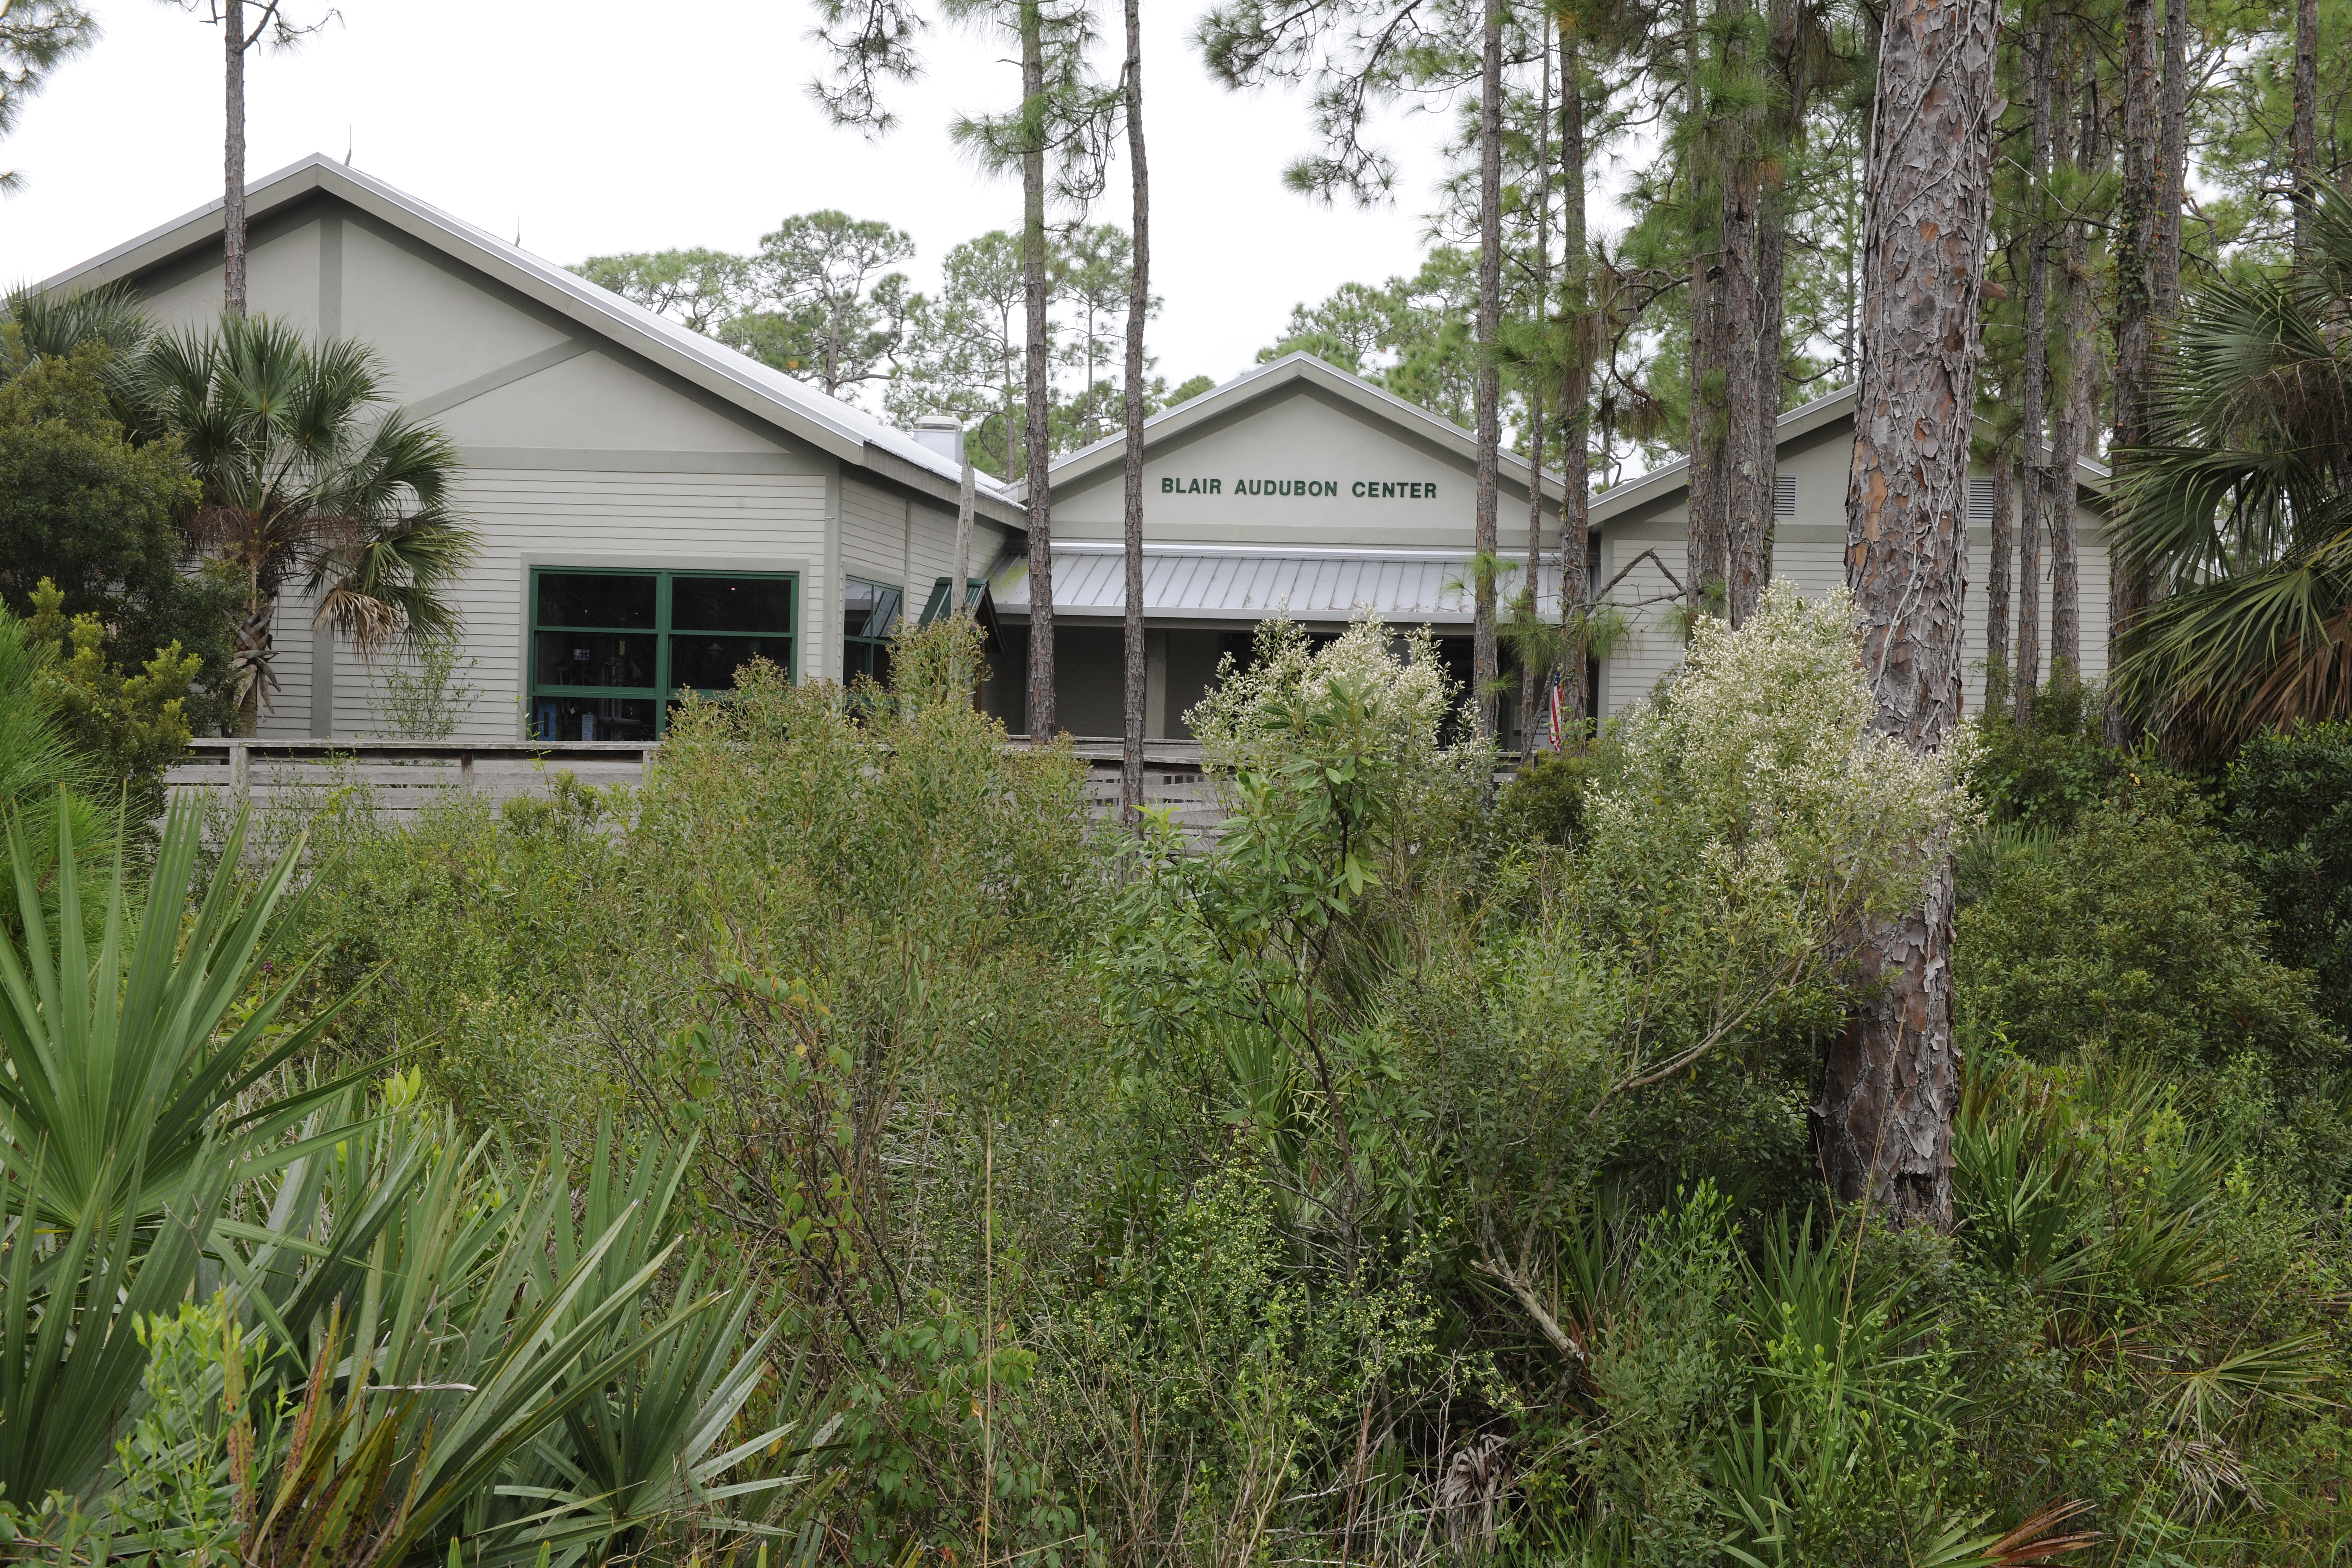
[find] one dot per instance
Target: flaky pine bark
(1892, 1082)
(2072, 350)
(1488, 393)
(2172, 162)
(2303, 147)
(2137, 225)
(1530, 594)
(1747, 507)
(1576, 475)
(1707, 533)
(2026, 667)
(1139, 309)
(1786, 121)
(233, 42)
(1037, 450)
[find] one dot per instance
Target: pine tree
(1892, 1084)
(1138, 307)
(1060, 121)
(237, 40)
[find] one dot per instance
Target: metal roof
(1239, 583)
(794, 406)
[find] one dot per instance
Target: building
(654, 508)
(1300, 490)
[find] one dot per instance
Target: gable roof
(795, 407)
(1802, 420)
(1266, 379)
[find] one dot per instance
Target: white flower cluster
(1247, 720)
(1760, 759)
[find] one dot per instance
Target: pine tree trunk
(1138, 308)
(1488, 392)
(1037, 453)
(1576, 476)
(1892, 1082)
(1787, 120)
(2026, 670)
(2172, 160)
(232, 162)
(2071, 349)
(1531, 593)
(2136, 228)
(1747, 507)
(2304, 141)
(1706, 542)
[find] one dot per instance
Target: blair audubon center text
(1362, 490)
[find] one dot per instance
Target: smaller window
(869, 614)
(1784, 495)
(1979, 501)
(937, 604)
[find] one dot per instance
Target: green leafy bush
(1545, 799)
(2290, 804)
(84, 506)
(131, 726)
(2040, 771)
(2137, 932)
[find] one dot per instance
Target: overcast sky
(596, 126)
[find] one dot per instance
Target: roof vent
(941, 435)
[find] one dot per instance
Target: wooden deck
(404, 777)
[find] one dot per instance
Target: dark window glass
(607, 599)
(868, 609)
(594, 658)
(730, 603)
(711, 662)
(591, 718)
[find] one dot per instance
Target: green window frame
(613, 648)
(870, 612)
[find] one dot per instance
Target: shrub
(131, 727)
(2040, 771)
(2290, 804)
(2138, 936)
(83, 507)
(1545, 801)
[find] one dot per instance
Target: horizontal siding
(550, 515)
(873, 534)
(1815, 568)
(288, 715)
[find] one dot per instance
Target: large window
(610, 651)
(869, 614)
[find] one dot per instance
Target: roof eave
(316, 173)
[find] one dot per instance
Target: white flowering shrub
(1753, 817)
(1368, 692)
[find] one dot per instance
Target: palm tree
(2240, 507)
(309, 473)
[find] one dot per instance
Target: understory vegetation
(843, 1147)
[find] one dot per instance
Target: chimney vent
(941, 435)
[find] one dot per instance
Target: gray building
(1300, 490)
(655, 507)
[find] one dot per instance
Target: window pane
(595, 599)
(591, 718)
(711, 662)
(593, 659)
(868, 609)
(730, 603)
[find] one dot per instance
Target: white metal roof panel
(1239, 583)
